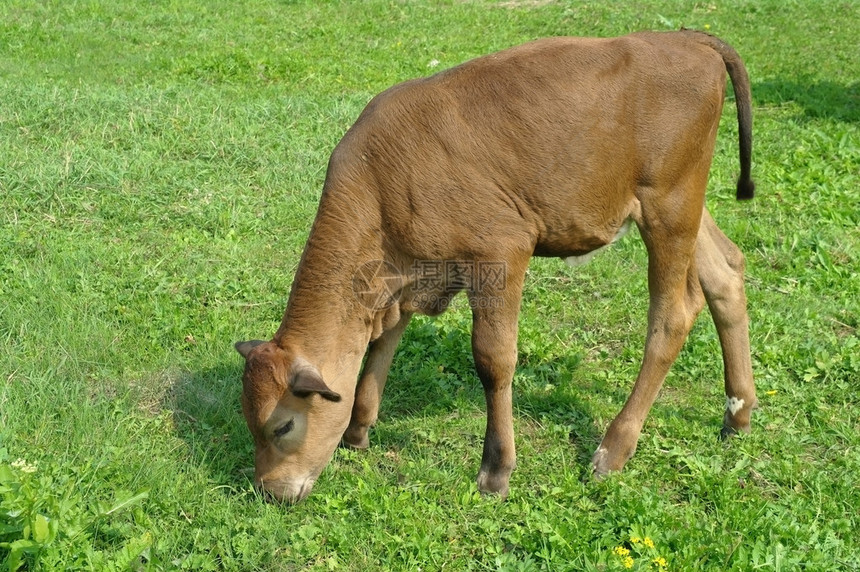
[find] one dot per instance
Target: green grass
(160, 164)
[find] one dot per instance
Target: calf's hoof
(737, 417)
(355, 438)
(606, 461)
(730, 429)
(727, 432)
(497, 485)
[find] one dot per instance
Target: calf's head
(295, 418)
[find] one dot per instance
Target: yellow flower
(627, 562)
(648, 542)
(660, 562)
(635, 539)
(620, 551)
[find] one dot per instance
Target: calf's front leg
(371, 383)
(494, 347)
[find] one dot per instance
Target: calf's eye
(284, 429)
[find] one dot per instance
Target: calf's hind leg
(669, 230)
(721, 274)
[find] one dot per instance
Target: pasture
(160, 166)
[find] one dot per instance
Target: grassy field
(160, 165)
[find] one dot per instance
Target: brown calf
(452, 183)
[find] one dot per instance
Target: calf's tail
(743, 100)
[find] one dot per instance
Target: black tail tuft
(746, 189)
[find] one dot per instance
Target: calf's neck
(452, 183)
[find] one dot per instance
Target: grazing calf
(452, 183)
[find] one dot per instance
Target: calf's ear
(245, 348)
(307, 381)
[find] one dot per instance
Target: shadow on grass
(570, 411)
(208, 418)
(819, 99)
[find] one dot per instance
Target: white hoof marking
(733, 404)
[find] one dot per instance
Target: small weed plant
(45, 519)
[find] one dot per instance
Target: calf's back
(545, 148)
